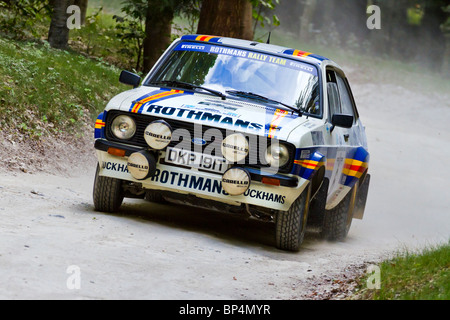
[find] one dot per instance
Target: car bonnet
(233, 114)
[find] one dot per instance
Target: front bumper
(204, 185)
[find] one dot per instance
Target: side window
(334, 103)
(346, 100)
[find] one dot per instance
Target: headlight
(277, 155)
(123, 127)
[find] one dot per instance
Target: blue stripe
(100, 133)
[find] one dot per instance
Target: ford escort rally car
(240, 127)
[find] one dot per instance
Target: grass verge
(423, 275)
(42, 89)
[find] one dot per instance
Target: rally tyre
(337, 221)
(108, 193)
(291, 225)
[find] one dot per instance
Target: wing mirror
(341, 120)
(129, 78)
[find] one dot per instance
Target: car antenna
(268, 39)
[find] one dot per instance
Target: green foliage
(98, 38)
(43, 89)
(190, 16)
(109, 6)
(92, 35)
(261, 15)
(18, 18)
(130, 28)
(415, 15)
(414, 276)
(445, 27)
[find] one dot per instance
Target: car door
(340, 102)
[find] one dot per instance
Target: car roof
(269, 48)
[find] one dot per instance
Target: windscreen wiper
(252, 95)
(185, 85)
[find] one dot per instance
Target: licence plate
(196, 160)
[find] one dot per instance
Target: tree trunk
(58, 34)
(446, 58)
(83, 4)
(445, 28)
(158, 30)
(226, 18)
(306, 19)
(432, 39)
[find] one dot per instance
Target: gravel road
(53, 245)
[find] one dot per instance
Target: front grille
(184, 132)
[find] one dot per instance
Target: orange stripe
(205, 38)
(299, 53)
(139, 104)
(159, 95)
(136, 107)
(278, 116)
(309, 164)
(354, 168)
(202, 38)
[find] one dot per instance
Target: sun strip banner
(246, 54)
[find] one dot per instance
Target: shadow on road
(236, 229)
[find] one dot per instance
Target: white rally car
(240, 127)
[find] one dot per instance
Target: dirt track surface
(150, 251)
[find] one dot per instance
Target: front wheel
(291, 225)
(337, 221)
(108, 193)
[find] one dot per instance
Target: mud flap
(361, 199)
(317, 206)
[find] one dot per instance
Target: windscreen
(230, 70)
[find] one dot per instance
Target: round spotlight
(158, 134)
(277, 155)
(123, 127)
(141, 165)
(235, 147)
(235, 181)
